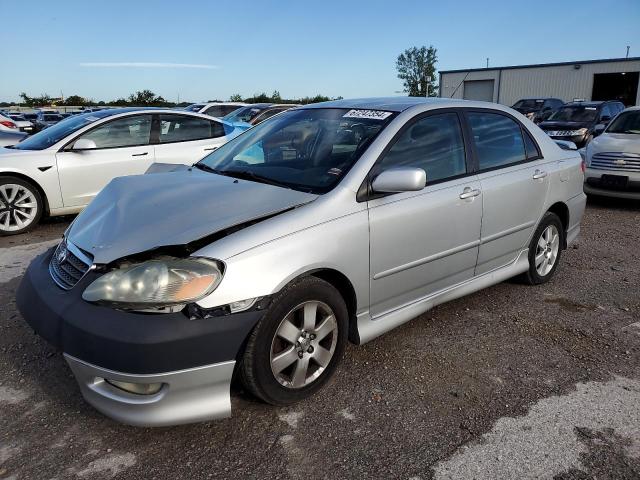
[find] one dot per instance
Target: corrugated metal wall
(563, 81)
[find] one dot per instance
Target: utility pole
(627, 52)
(487, 62)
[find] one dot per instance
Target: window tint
(434, 144)
(221, 110)
(530, 146)
(268, 114)
(606, 111)
(125, 132)
(183, 128)
(498, 139)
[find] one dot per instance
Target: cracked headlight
(155, 284)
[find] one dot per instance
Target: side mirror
(84, 144)
(401, 179)
(598, 129)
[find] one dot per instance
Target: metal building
(613, 79)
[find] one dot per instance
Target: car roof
(391, 104)
(592, 103)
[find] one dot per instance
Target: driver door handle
(210, 148)
(469, 193)
(539, 174)
(139, 154)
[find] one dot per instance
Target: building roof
(540, 65)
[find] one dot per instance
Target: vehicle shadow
(612, 202)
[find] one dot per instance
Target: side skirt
(370, 328)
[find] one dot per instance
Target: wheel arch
(344, 286)
(26, 178)
(562, 211)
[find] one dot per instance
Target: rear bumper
(193, 358)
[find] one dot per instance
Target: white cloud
(147, 65)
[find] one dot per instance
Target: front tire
(297, 346)
(21, 206)
(545, 250)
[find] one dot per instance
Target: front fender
(341, 244)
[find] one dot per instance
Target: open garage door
(616, 86)
(478, 90)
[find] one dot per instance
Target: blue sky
(300, 48)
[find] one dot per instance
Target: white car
(613, 158)
(7, 125)
(59, 170)
(21, 122)
(215, 109)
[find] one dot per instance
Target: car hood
(615, 142)
(139, 213)
(12, 153)
(552, 125)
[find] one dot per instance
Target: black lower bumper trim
(129, 342)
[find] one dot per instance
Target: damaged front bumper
(192, 360)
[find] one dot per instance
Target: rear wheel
(545, 250)
(298, 344)
(20, 206)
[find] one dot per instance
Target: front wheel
(298, 344)
(20, 206)
(545, 250)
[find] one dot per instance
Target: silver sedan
(329, 223)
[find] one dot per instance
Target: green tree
(75, 100)
(275, 96)
(28, 101)
(236, 97)
(417, 69)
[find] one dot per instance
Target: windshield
(194, 108)
(308, 150)
(57, 132)
(244, 114)
(626, 122)
(530, 104)
(52, 118)
(575, 113)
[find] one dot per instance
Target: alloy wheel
(18, 207)
(304, 344)
(547, 250)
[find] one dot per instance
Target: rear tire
(545, 250)
(21, 206)
(297, 346)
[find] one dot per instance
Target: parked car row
(577, 121)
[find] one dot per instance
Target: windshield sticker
(372, 114)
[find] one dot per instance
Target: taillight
(8, 124)
(583, 165)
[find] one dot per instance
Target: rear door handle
(139, 154)
(539, 174)
(469, 193)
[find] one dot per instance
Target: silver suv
(331, 222)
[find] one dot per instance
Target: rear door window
(185, 128)
(498, 140)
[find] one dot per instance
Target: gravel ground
(511, 382)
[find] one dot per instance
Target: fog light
(242, 305)
(137, 388)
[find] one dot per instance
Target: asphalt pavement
(513, 382)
